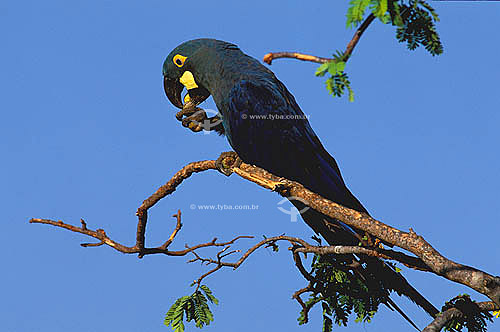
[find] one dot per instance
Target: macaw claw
(196, 119)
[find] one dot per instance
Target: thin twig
(305, 307)
(178, 227)
(101, 235)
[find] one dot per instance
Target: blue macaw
(248, 95)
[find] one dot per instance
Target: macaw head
(180, 68)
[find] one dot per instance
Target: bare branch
(269, 57)
(300, 266)
(163, 191)
(305, 307)
(178, 227)
(101, 235)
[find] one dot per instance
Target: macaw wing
(268, 129)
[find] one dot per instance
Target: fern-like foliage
(356, 12)
(419, 27)
(338, 82)
(342, 292)
(473, 319)
(415, 21)
(194, 307)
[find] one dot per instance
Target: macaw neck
(219, 70)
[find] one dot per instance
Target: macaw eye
(179, 60)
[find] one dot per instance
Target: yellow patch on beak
(187, 79)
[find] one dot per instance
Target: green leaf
(175, 313)
(473, 318)
(209, 294)
(339, 82)
(356, 12)
(419, 27)
(336, 67)
(332, 68)
(431, 10)
(351, 94)
(327, 324)
(340, 66)
(179, 327)
(189, 310)
(341, 292)
(321, 71)
(338, 56)
(379, 9)
(394, 13)
(195, 307)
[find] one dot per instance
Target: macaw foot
(196, 119)
(226, 161)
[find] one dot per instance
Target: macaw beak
(173, 90)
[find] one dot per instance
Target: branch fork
(426, 257)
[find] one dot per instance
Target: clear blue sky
(88, 133)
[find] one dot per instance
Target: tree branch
(357, 35)
(101, 235)
(444, 317)
(163, 191)
(305, 307)
(428, 259)
(269, 57)
(478, 280)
